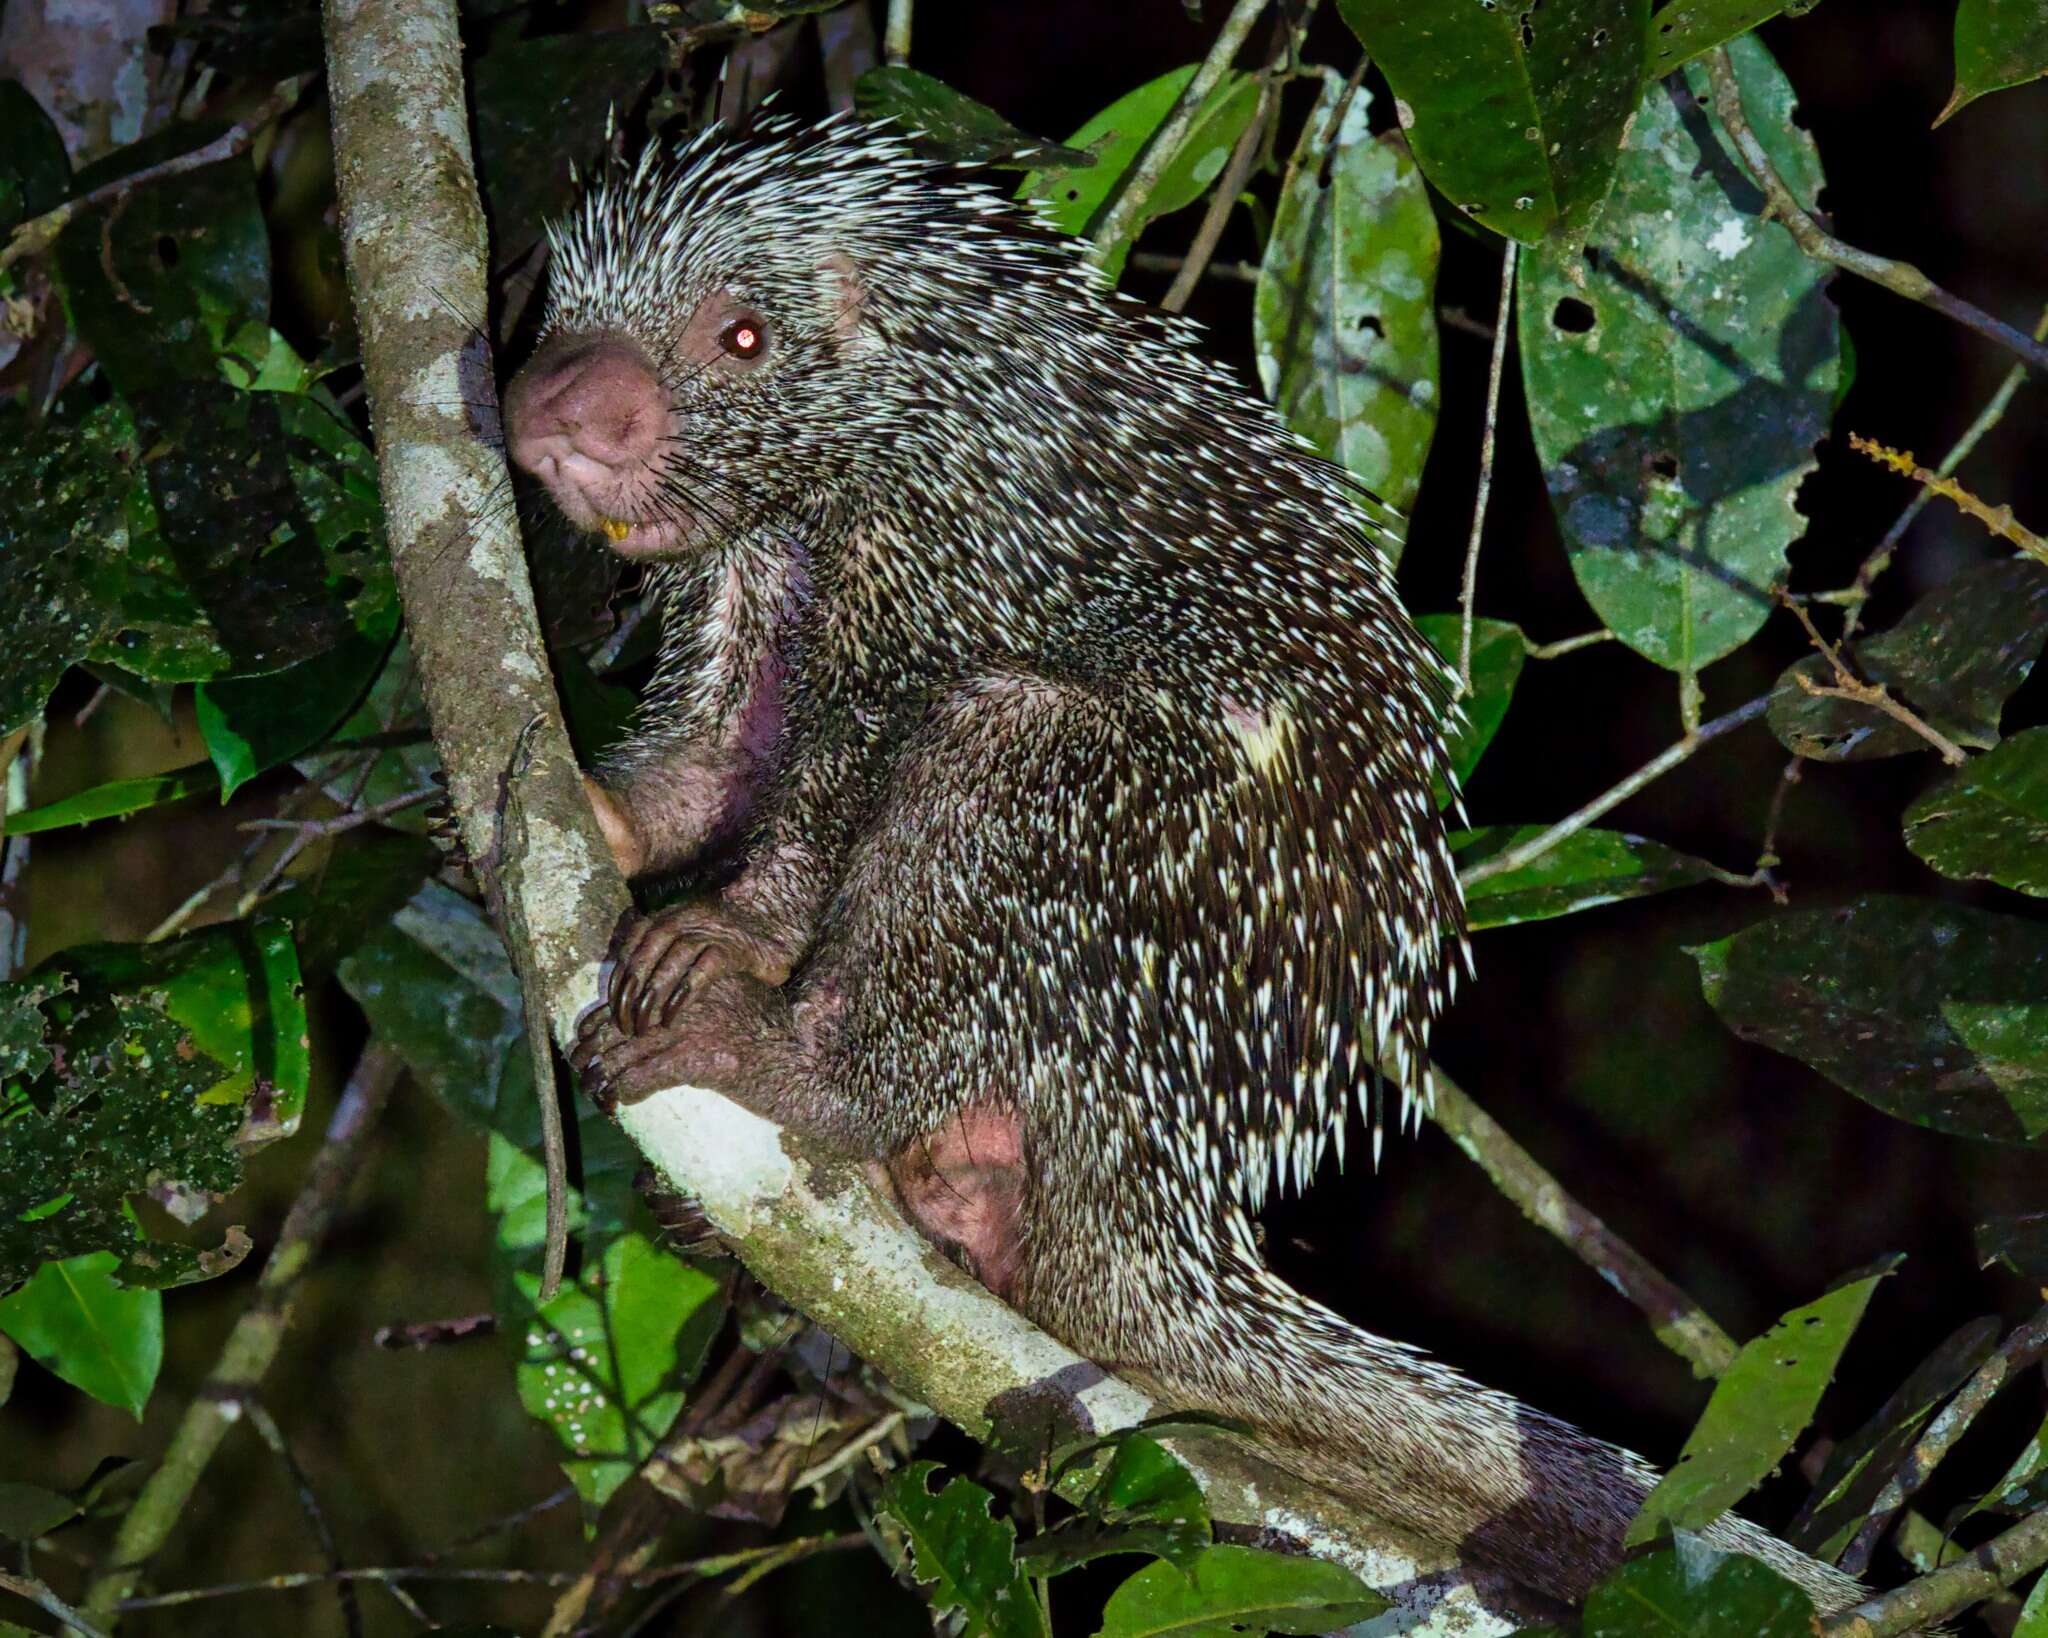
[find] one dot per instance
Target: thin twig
(1998, 519)
(1658, 766)
(1678, 1322)
(1565, 645)
(272, 1435)
(498, 1526)
(1120, 221)
(1978, 1574)
(252, 1345)
(1158, 261)
(1902, 278)
(896, 34)
(2018, 1352)
(1493, 374)
(334, 824)
(1224, 200)
(37, 234)
(1848, 686)
(27, 1586)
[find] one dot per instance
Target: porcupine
(1079, 753)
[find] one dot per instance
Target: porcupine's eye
(744, 337)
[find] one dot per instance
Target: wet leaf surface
(1676, 396)
(1587, 868)
(1936, 1013)
(1761, 1404)
(1989, 819)
(1514, 112)
(1956, 657)
(947, 124)
(1687, 1590)
(1230, 1589)
(1344, 317)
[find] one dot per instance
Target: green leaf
(1762, 1402)
(1687, 1590)
(35, 171)
(28, 1511)
(2033, 1621)
(236, 990)
(1989, 819)
(1932, 1012)
(606, 1363)
(1860, 1466)
(1956, 657)
(1072, 199)
(1514, 112)
(1685, 29)
(157, 284)
(393, 705)
(2020, 1242)
(368, 876)
(1998, 43)
(107, 1100)
(1672, 446)
(254, 724)
(966, 1557)
(74, 1320)
(1344, 316)
(114, 800)
(946, 124)
(1233, 1590)
(1498, 651)
(64, 494)
(1586, 869)
(1143, 1502)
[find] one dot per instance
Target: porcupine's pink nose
(585, 416)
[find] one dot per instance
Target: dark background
(1751, 1180)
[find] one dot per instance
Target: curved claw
(660, 961)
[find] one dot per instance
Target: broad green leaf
(1932, 1012)
(1344, 317)
(1989, 819)
(606, 1363)
(35, 171)
(236, 990)
(1230, 1590)
(1498, 651)
(1762, 1402)
(1684, 29)
(1072, 199)
(1859, 1466)
(965, 1556)
(64, 491)
(2020, 1242)
(947, 124)
(254, 724)
(107, 1100)
(1956, 657)
(1998, 43)
(104, 1339)
(1687, 1590)
(1672, 446)
(28, 1510)
(1144, 1502)
(157, 284)
(1587, 868)
(2022, 1489)
(1514, 112)
(2033, 1621)
(114, 800)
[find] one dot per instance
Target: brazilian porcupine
(1078, 755)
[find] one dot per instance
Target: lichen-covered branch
(811, 1231)
(1949, 1590)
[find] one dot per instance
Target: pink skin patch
(963, 1188)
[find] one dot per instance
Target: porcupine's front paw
(712, 1036)
(660, 960)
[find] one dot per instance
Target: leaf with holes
(1073, 199)
(1344, 317)
(1144, 1502)
(965, 1556)
(1515, 110)
(1956, 658)
(1932, 1012)
(1999, 43)
(947, 124)
(1685, 29)
(1230, 1589)
(1586, 869)
(1989, 819)
(1685, 1589)
(1676, 396)
(1762, 1402)
(1498, 651)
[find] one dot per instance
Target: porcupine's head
(726, 329)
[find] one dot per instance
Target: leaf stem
(1901, 278)
(1470, 586)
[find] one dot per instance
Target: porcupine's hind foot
(680, 1217)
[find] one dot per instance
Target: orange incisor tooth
(615, 528)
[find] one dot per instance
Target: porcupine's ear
(844, 286)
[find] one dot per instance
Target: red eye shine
(742, 338)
